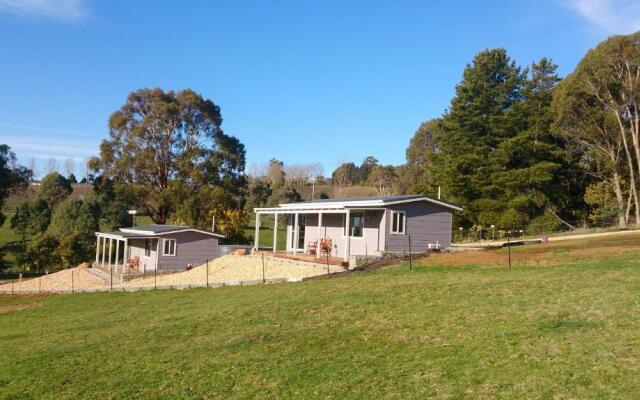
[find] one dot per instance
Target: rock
(239, 252)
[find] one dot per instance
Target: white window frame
(393, 229)
(344, 224)
(164, 247)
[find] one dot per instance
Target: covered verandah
(318, 238)
(113, 251)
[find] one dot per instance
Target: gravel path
(221, 270)
(58, 282)
(238, 268)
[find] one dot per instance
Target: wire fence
(250, 270)
(199, 273)
(462, 234)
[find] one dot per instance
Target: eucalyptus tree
(167, 152)
(598, 107)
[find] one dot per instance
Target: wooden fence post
(410, 257)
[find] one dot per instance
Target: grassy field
(10, 242)
(563, 323)
(266, 233)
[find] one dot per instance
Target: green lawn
(266, 233)
(564, 323)
(10, 242)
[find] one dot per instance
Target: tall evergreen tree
(480, 118)
(529, 163)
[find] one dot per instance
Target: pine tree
(481, 117)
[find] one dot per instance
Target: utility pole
(133, 217)
(313, 187)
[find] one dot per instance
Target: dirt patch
(591, 249)
(10, 303)
(5, 309)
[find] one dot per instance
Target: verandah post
(347, 245)
(275, 232)
(97, 248)
(295, 234)
(257, 234)
(318, 244)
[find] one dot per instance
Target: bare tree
(382, 178)
(52, 165)
(87, 169)
(33, 166)
(258, 170)
(340, 177)
(69, 166)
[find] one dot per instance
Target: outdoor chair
(134, 262)
(312, 247)
(325, 246)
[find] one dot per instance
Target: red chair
(326, 246)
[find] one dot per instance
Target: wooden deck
(305, 257)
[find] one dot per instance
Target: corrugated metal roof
(384, 199)
(154, 228)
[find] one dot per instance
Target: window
(168, 247)
(147, 247)
(356, 224)
(398, 219)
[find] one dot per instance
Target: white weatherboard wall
(371, 242)
(136, 248)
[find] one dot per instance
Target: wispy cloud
(611, 16)
(30, 129)
(69, 10)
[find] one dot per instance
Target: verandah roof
(341, 205)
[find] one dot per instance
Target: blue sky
(302, 81)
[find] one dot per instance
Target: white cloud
(611, 16)
(59, 9)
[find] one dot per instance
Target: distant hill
(334, 193)
(80, 190)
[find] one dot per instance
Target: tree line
(521, 148)
(518, 147)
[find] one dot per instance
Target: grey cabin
(374, 224)
(155, 247)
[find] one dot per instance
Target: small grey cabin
(375, 225)
(151, 247)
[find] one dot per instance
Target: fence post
(72, 285)
(207, 272)
(509, 247)
(327, 263)
(13, 280)
(263, 272)
(155, 277)
(40, 284)
(404, 247)
(410, 258)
